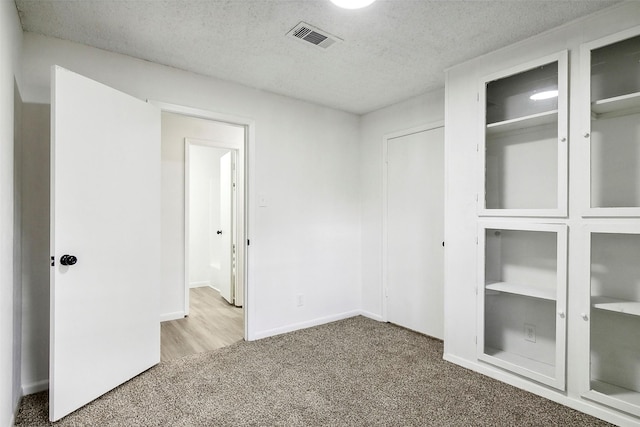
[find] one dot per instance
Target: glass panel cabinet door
(614, 318)
(523, 149)
(613, 124)
(522, 299)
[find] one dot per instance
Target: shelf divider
(616, 305)
(524, 290)
(629, 103)
(530, 121)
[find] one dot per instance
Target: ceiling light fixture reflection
(547, 94)
(352, 4)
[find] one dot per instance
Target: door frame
(210, 143)
(385, 200)
(245, 177)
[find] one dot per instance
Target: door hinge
(53, 261)
(477, 96)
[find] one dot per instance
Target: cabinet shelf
(525, 122)
(629, 103)
(614, 396)
(616, 305)
(520, 362)
(524, 290)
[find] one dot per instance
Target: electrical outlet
(299, 300)
(530, 332)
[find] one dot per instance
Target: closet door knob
(563, 139)
(68, 260)
(584, 316)
(219, 232)
(586, 134)
(561, 314)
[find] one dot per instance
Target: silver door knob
(584, 316)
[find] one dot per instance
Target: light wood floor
(212, 323)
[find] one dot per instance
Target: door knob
(219, 232)
(68, 260)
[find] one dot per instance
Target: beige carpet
(355, 372)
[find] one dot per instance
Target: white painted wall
(304, 160)
(424, 109)
(10, 49)
(461, 136)
(35, 167)
(204, 212)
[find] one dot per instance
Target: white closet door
(415, 231)
(105, 212)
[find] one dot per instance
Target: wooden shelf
(629, 103)
(524, 290)
(616, 305)
(522, 362)
(525, 122)
(614, 396)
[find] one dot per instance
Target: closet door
(414, 224)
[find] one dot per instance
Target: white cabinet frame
(519, 364)
(596, 391)
(605, 107)
(524, 122)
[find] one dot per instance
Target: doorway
(413, 229)
(203, 229)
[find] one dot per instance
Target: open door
(105, 240)
(227, 287)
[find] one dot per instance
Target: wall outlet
(530, 332)
(299, 300)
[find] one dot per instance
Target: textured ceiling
(392, 50)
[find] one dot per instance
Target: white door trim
(245, 216)
(385, 197)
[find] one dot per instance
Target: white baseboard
(303, 325)
(371, 315)
(172, 316)
(35, 387)
(199, 284)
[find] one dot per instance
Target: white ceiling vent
(315, 36)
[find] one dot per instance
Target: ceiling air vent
(315, 36)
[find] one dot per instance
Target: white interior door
(105, 211)
(415, 231)
(226, 179)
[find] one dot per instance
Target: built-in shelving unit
(614, 321)
(524, 146)
(521, 308)
(614, 133)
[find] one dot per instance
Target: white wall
(461, 137)
(304, 160)
(175, 128)
(204, 216)
(35, 167)
(424, 109)
(10, 47)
